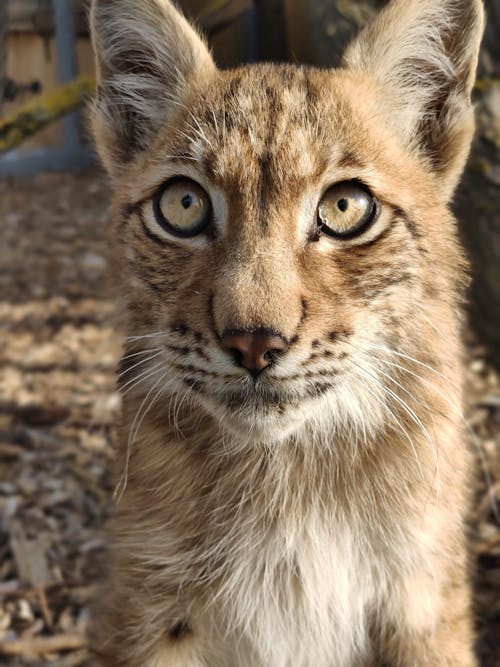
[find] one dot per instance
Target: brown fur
(314, 517)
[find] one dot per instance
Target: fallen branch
(42, 645)
(44, 110)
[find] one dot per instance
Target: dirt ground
(58, 351)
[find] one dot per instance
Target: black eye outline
(365, 223)
(165, 224)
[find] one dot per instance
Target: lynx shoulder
(292, 475)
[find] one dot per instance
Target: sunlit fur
(311, 517)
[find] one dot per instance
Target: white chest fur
(299, 599)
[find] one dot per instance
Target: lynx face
(282, 242)
(279, 227)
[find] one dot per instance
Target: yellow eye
(346, 209)
(182, 207)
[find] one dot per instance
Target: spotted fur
(313, 516)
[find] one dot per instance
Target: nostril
(271, 355)
(254, 350)
(237, 355)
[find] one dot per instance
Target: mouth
(257, 409)
(257, 397)
(261, 394)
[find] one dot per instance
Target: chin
(259, 423)
(261, 429)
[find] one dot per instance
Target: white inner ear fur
(427, 74)
(147, 57)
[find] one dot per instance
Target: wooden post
(271, 27)
(67, 64)
(3, 49)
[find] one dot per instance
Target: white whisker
(460, 414)
(140, 352)
(149, 335)
(122, 484)
(384, 389)
(139, 363)
(131, 384)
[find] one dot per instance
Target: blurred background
(58, 341)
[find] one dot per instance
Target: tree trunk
(319, 30)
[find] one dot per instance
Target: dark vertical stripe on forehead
(266, 181)
(275, 103)
(311, 92)
(264, 189)
(229, 97)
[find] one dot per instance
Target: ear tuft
(424, 54)
(147, 57)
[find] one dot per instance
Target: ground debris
(33, 646)
(30, 555)
(58, 403)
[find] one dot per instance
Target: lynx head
(283, 233)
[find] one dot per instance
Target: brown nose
(254, 350)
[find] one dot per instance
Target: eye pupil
(182, 207)
(346, 209)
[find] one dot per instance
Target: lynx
(292, 475)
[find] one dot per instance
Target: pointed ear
(147, 56)
(424, 53)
